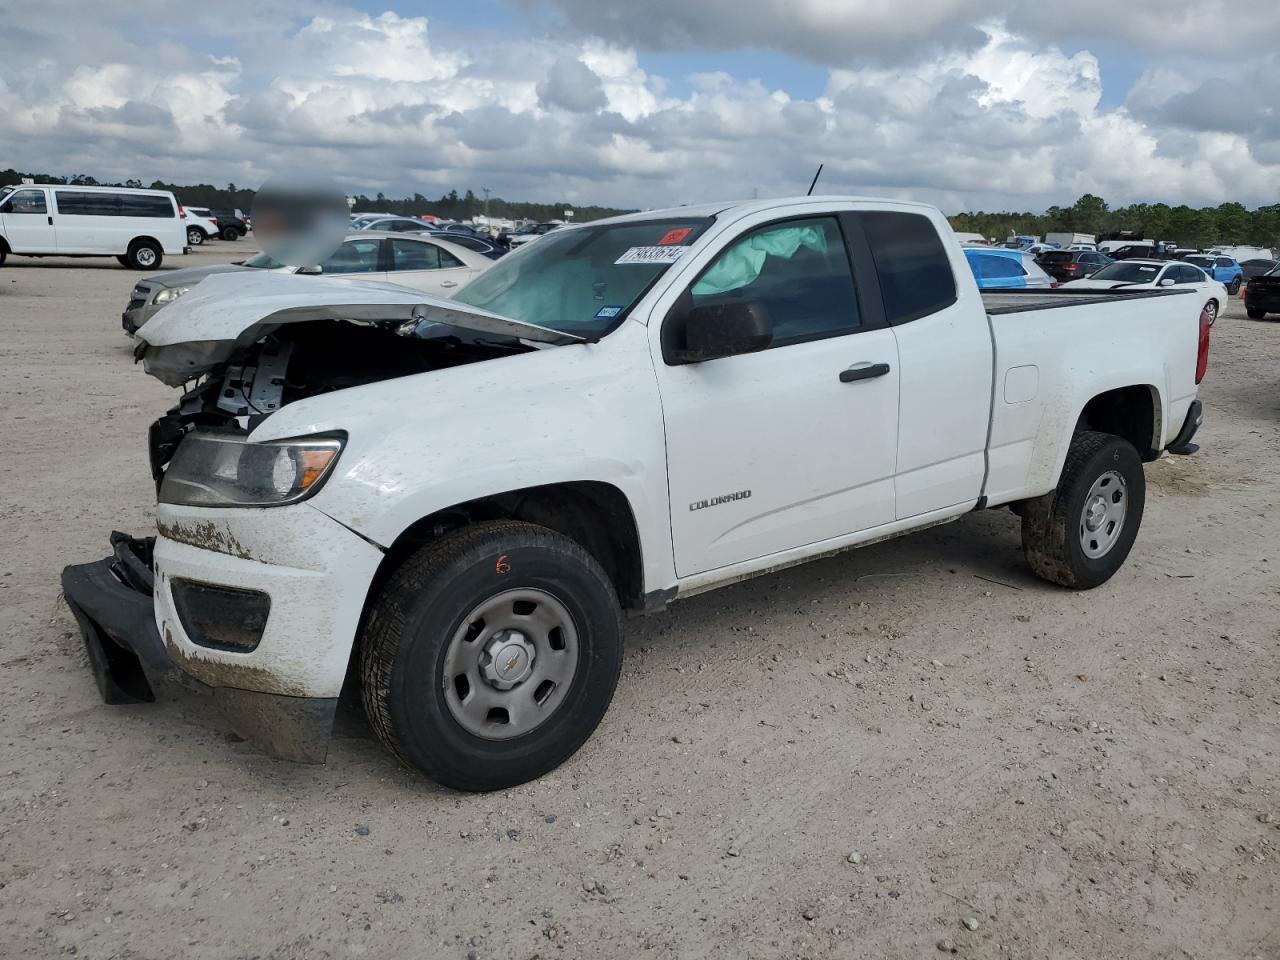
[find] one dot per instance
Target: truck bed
(1021, 301)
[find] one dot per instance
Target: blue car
(1223, 269)
(999, 268)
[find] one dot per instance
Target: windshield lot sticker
(674, 236)
(658, 255)
(606, 313)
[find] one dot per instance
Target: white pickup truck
(456, 499)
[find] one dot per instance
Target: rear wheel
(4, 254)
(1235, 287)
(1211, 311)
(230, 233)
(491, 655)
(195, 236)
(1255, 313)
(1080, 534)
(143, 255)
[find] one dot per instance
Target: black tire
(4, 255)
(144, 255)
(1053, 526)
(123, 261)
(1255, 313)
(420, 611)
(230, 233)
(1235, 287)
(195, 236)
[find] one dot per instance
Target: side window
(798, 270)
(1189, 275)
(26, 201)
(915, 273)
(412, 255)
(1003, 268)
(354, 256)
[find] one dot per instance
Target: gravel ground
(911, 747)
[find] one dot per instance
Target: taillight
(1071, 267)
(1202, 353)
(182, 213)
(1055, 285)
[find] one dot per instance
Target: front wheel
(491, 655)
(1080, 534)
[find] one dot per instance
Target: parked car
(425, 263)
(484, 246)
(1223, 269)
(1262, 294)
(398, 225)
(1158, 275)
(202, 225)
(464, 494)
(1258, 267)
(531, 231)
(137, 227)
(231, 223)
(999, 268)
(1067, 265)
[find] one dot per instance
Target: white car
(137, 227)
(423, 262)
(202, 225)
(453, 501)
(1157, 275)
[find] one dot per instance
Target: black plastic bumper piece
(113, 605)
(1182, 444)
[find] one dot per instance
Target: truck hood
(228, 312)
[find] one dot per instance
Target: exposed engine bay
(307, 359)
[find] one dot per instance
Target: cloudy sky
(658, 102)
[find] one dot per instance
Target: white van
(137, 227)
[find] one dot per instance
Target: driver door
(794, 444)
(28, 221)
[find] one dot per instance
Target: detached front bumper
(281, 693)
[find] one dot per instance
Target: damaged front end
(214, 605)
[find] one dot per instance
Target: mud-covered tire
(423, 609)
(1055, 535)
(143, 255)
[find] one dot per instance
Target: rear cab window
(915, 272)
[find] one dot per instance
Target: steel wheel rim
(1102, 519)
(510, 664)
(145, 256)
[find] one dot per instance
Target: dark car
(230, 226)
(1256, 268)
(1135, 251)
(1065, 265)
(481, 245)
(1262, 294)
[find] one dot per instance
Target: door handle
(448, 283)
(867, 371)
(51, 221)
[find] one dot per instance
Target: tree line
(1229, 224)
(450, 206)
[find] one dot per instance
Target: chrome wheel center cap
(1096, 513)
(507, 659)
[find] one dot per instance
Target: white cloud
(996, 117)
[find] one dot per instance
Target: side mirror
(724, 330)
(312, 271)
(1167, 282)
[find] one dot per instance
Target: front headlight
(215, 471)
(170, 293)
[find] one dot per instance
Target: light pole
(485, 190)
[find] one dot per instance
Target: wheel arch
(595, 514)
(143, 238)
(1133, 412)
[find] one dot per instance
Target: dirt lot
(848, 759)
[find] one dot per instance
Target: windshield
(582, 281)
(1127, 272)
(1056, 257)
(1274, 271)
(528, 228)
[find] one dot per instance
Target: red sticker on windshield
(674, 236)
